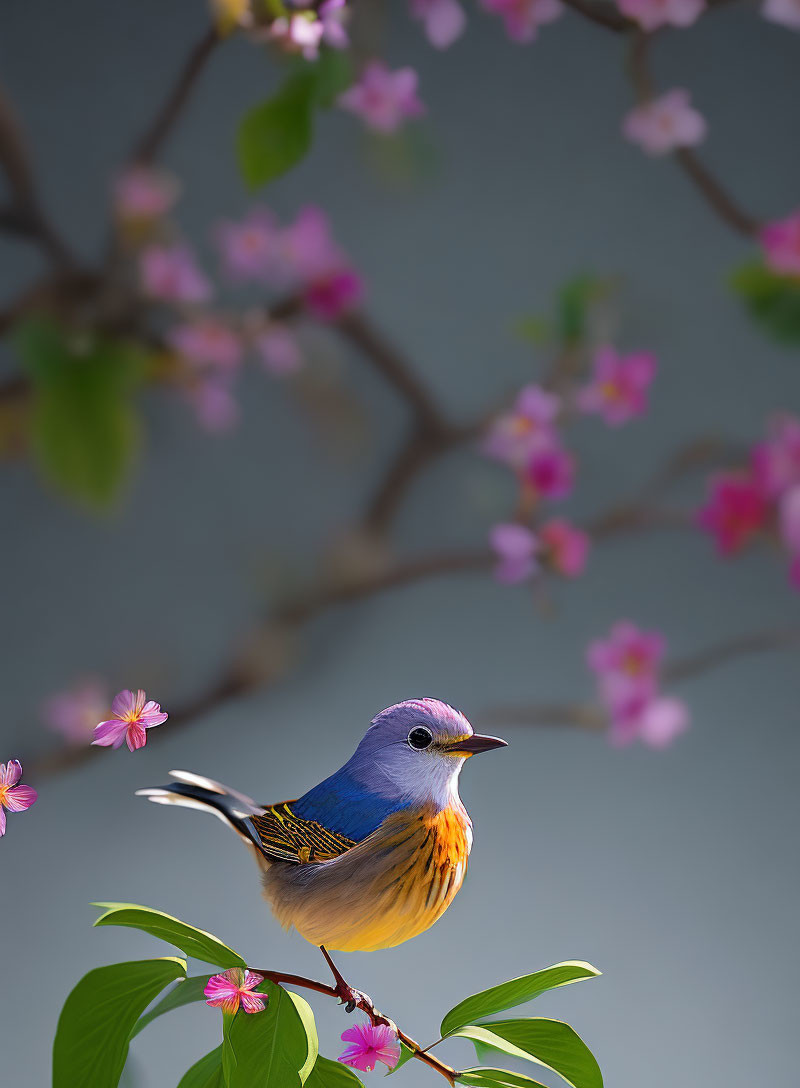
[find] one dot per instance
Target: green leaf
(497, 1078)
(333, 74)
(549, 1043)
(185, 993)
(84, 431)
(573, 304)
(194, 942)
(94, 1028)
(276, 1047)
(773, 300)
(516, 992)
(207, 1073)
(328, 1074)
(275, 135)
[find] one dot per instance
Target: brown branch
(716, 196)
(602, 14)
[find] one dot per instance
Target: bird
(374, 854)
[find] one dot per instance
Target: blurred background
(674, 872)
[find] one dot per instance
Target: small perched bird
(373, 855)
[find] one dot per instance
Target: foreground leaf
(194, 942)
(94, 1028)
(328, 1074)
(207, 1073)
(515, 992)
(276, 135)
(497, 1078)
(549, 1043)
(276, 1047)
(773, 300)
(185, 993)
(406, 1054)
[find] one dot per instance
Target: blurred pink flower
(529, 425)
(171, 273)
(781, 243)
(564, 547)
(13, 795)
(330, 296)
(789, 527)
(736, 511)
(333, 15)
(515, 547)
(215, 407)
(75, 713)
(665, 123)
(248, 248)
(370, 1044)
(784, 12)
(618, 389)
(551, 471)
(655, 720)
(133, 715)
(299, 33)
(207, 341)
(444, 20)
(383, 99)
(776, 460)
(233, 989)
(626, 662)
(143, 195)
(522, 18)
(651, 14)
(308, 250)
(278, 349)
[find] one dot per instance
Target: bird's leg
(350, 997)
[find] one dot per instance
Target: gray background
(675, 873)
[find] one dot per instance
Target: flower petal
(110, 734)
(253, 1002)
(124, 702)
(150, 720)
(135, 736)
(2, 821)
(19, 798)
(10, 773)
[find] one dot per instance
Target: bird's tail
(195, 791)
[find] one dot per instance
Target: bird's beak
(476, 743)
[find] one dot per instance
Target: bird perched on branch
(373, 855)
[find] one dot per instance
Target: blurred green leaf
(574, 301)
(207, 1073)
(94, 1028)
(333, 73)
(516, 992)
(549, 1043)
(534, 330)
(328, 1074)
(274, 136)
(496, 1078)
(194, 942)
(276, 1047)
(772, 300)
(84, 429)
(184, 993)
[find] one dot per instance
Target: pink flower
(370, 1044)
(278, 350)
(143, 195)
(444, 20)
(308, 250)
(133, 714)
(789, 527)
(207, 341)
(530, 425)
(333, 15)
(14, 797)
(248, 248)
(515, 547)
(383, 99)
(655, 720)
(618, 389)
(234, 988)
(665, 123)
(522, 18)
(776, 460)
(301, 33)
(651, 14)
(215, 407)
(626, 663)
(551, 471)
(333, 295)
(171, 273)
(784, 12)
(75, 713)
(781, 243)
(736, 510)
(564, 547)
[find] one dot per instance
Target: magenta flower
(515, 547)
(370, 1044)
(530, 425)
(626, 662)
(564, 547)
(75, 713)
(383, 99)
(308, 250)
(551, 471)
(248, 248)
(207, 341)
(171, 273)
(619, 385)
(735, 512)
(333, 295)
(781, 243)
(789, 528)
(301, 33)
(444, 20)
(784, 12)
(776, 460)
(234, 988)
(665, 123)
(522, 18)
(215, 407)
(334, 14)
(278, 350)
(651, 14)
(143, 195)
(133, 714)
(13, 796)
(655, 720)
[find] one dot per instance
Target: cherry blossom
(776, 460)
(384, 99)
(665, 123)
(551, 471)
(530, 425)
(75, 713)
(207, 341)
(564, 547)
(143, 195)
(370, 1044)
(651, 14)
(515, 547)
(13, 795)
(619, 385)
(735, 512)
(248, 248)
(133, 715)
(278, 349)
(444, 20)
(233, 989)
(171, 273)
(522, 18)
(784, 12)
(781, 243)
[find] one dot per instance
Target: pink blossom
(215, 407)
(383, 99)
(529, 425)
(515, 547)
(278, 349)
(619, 385)
(655, 720)
(665, 123)
(248, 248)
(75, 713)
(370, 1044)
(626, 663)
(308, 250)
(171, 273)
(444, 20)
(333, 295)
(143, 195)
(301, 33)
(133, 714)
(551, 471)
(13, 796)
(333, 15)
(522, 18)
(735, 511)
(781, 243)
(776, 460)
(789, 527)
(784, 12)
(207, 341)
(564, 547)
(651, 14)
(233, 989)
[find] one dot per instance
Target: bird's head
(414, 751)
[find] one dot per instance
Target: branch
(605, 15)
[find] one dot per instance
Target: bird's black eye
(420, 738)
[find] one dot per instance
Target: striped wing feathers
(286, 837)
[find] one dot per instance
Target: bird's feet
(352, 998)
